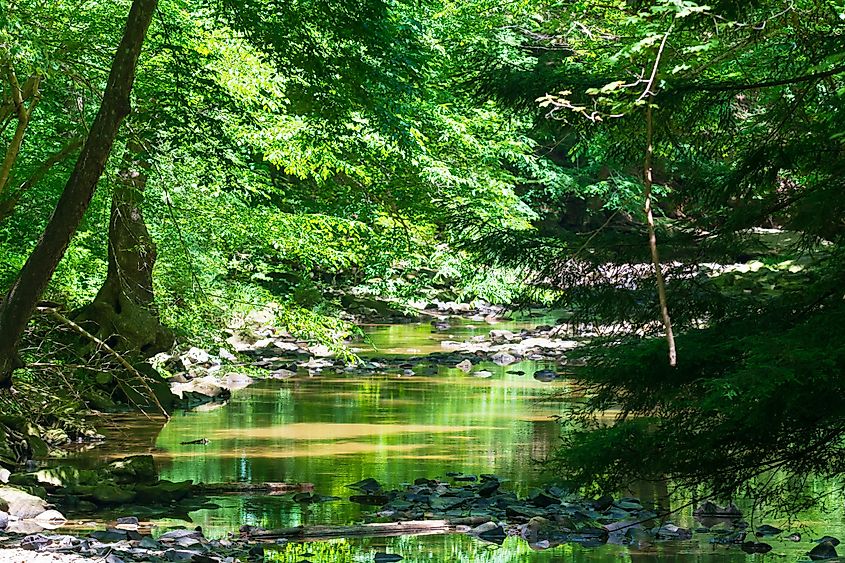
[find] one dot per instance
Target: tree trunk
(23, 114)
(33, 278)
(648, 181)
(122, 314)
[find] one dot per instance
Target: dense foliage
(288, 155)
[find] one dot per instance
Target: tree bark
(33, 278)
(122, 314)
(648, 181)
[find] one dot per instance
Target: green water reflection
(332, 429)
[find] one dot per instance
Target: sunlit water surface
(332, 429)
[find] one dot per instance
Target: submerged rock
(825, 550)
(545, 375)
(368, 485)
(387, 557)
(767, 530)
(754, 547)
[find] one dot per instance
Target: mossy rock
(110, 493)
(24, 479)
(64, 476)
(133, 469)
(163, 492)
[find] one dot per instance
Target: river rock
(368, 485)
(234, 381)
(671, 531)
(110, 493)
(465, 366)
(4, 520)
(387, 557)
(767, 530)
(488, 488)
(543, 500)
(163, 492)
(482, 373)
(754, 547)
(503, 358)
(35, 542)
(501, 336)
(51, 518)
(179, 555)
(824, 550)
(545, 375)
(22, 504)
(133, 469)
(208, 386)
(830, 539)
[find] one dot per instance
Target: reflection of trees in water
(545, 435)
(487, 437)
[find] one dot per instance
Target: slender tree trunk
(33, 278)
(648, 177)
(122, 314)
(23, 114)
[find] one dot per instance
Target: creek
(331, 429)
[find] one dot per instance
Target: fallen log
(377, 530)
(267, 488)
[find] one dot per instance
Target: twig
(120, 359)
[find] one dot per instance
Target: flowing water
(332, 429)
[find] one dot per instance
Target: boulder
(22, 504)
(50, 518)
(234, 381)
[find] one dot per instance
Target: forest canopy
(668, 172)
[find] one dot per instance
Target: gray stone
(22, 504)
(545, 375)
(465, 366)
(503, 359)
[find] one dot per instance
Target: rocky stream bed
(491, 510)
